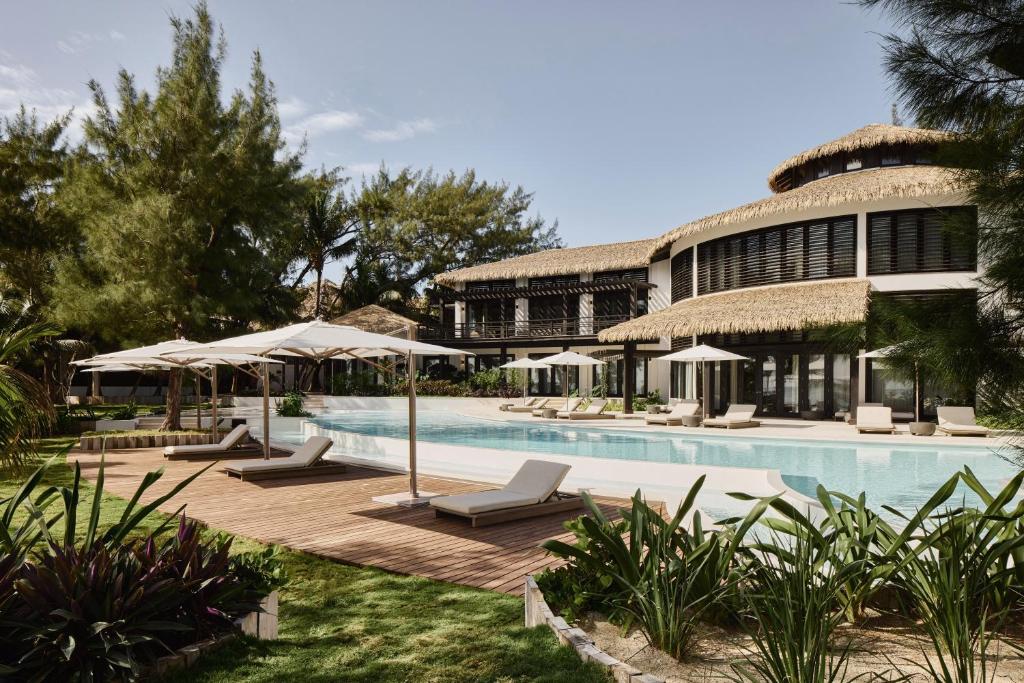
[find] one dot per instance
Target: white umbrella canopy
(702, 353)
(317, 340)
(565, 359)
(526, 364)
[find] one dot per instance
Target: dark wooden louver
(922, 241)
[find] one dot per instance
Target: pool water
(902, 476)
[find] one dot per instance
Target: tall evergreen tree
(959, 66)
(34, 229)
(184, 202)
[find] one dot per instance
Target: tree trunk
(319, 284)
(172, 421)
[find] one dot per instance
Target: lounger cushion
(538, 479)
(230, 440)
(305, 456)
(964, 429)
(482, 501)
(875, 418)
(662, 419)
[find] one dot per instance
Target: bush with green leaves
(291, 405)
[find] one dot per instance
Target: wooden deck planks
(333, 516)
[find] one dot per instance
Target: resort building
(848, 222)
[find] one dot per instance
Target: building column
(629, 370)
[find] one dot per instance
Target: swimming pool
(902, 476)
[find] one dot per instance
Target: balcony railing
(522, 329)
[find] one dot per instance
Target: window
(854, 164)
(682, 275)
(922, 241)
(490, 285)
(788, 253)
(554, 281)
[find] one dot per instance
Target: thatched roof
(775, 308)
(374, 318)
(857, 186)
(872, 135)
(568, 261)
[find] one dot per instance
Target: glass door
(769, 385)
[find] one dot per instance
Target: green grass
(343, 623)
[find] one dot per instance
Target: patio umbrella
(702, 354)
(565, 359)
(318, 340)
(889, 350)
(526, 364)
(176, 353)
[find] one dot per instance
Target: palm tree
(329, 229)
(25, 408)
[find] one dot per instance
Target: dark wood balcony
(521, 330)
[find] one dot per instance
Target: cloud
(320, 123)
(405, 130)
(80, 40)
(19, 86)
(366, 168)
(291, 107)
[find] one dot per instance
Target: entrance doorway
(795, 382)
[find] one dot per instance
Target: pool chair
(532, 492)
(235, 443)
(306, 461)
(595, 411)
(875, 419)
(557, 403)
(851, 414)
(526, 407)
(683, 409)
(739, 416)
(529, 406)
(959, 421)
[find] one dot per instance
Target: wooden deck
(334, 516)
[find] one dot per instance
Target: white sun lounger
(305, 461)
(233, 443)
(738, 416)
(556, 403)
(595, 411)
(532, 492)
(960, 421)
(527, 406)
(875, 419)
(676, 415)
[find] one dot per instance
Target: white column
(522, 310)
(586, 307)
(862, 244)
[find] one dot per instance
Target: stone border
(538, 613)
(95, 443)
(261, 624)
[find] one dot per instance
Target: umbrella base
(405, 500)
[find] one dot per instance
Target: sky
(624, 119)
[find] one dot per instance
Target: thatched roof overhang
(446, 294)
(374, 318)
(774, 308)
(552, 262)
(900, 182)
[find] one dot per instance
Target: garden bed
(141, 439)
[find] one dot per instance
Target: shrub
(291, 406)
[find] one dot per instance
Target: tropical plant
(128, 411)
(664, 576)
(290, 405)
(792, 599)
(25, 408)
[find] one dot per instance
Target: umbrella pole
(565, 385)
(704, 386)
(526, 374)
(213, 402)
(266, 411)
(199, 401)
(917, 393)
(411, 371)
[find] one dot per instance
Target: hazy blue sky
(624, 119)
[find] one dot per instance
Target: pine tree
(185, 201)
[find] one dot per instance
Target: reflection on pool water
(903, 476)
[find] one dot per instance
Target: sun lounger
(737, 417)
(532, 492)
(960, 421)
(529, 406)
(851, 414)
(875, 419)
(524, 407)
(234, 443)
(305, 461)
(676, 415)
(557, 403)
(595, 411)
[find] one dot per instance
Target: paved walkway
(334, 517)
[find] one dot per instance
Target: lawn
(343, 623)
